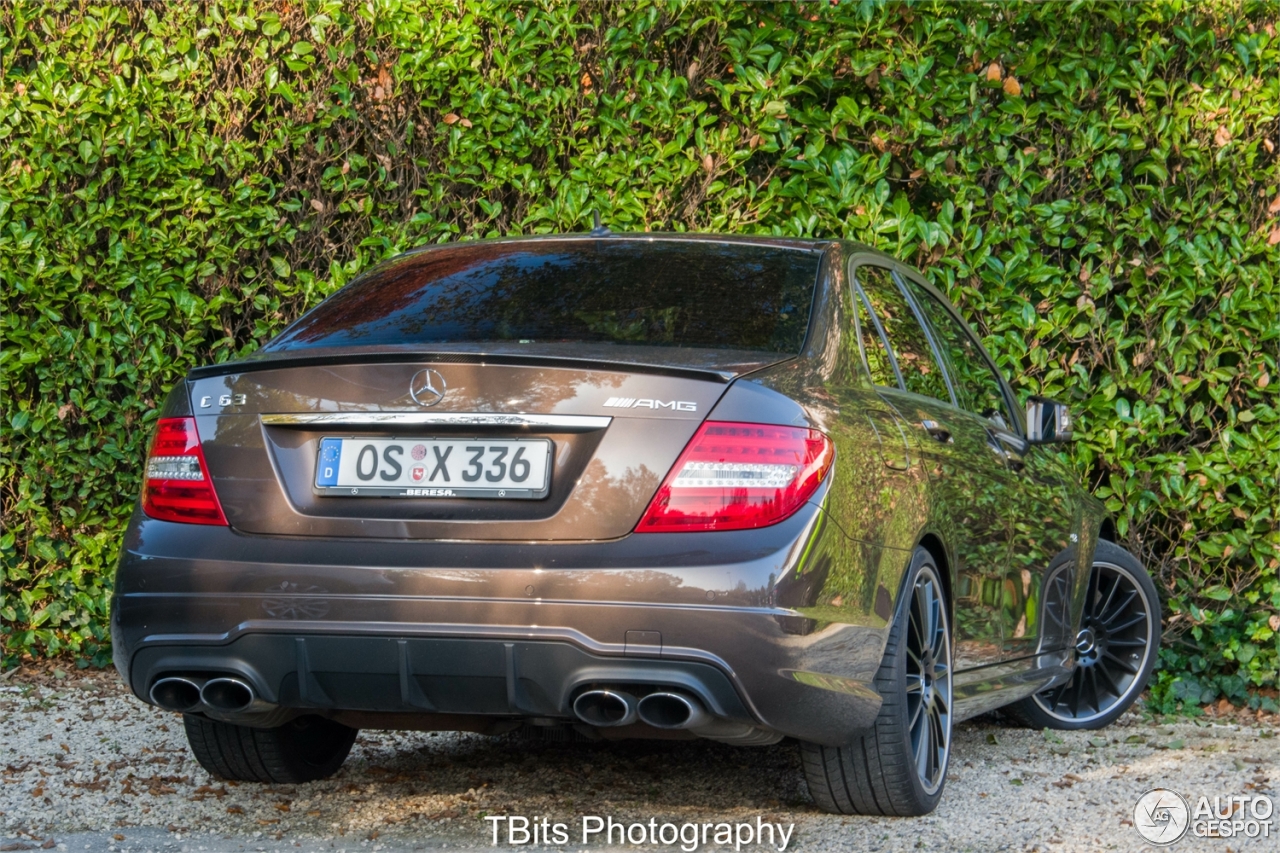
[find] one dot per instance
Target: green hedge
(1096, 186)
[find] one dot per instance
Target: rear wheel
(899, 766)
(1115, 649)
(302, 750)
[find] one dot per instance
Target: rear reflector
(739, 476)
(177, 485)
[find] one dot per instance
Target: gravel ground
(85, 766)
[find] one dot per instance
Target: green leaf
(281, 266)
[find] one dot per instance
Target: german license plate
(434, 467)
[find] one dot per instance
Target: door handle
(936, 430)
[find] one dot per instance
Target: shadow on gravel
(85, 764)
(528, 775)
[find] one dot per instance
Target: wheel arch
(932, 543)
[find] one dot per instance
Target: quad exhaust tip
(185, 694)
(176, 694)
(670, 710)
(227, 694)
(606, 708)
(663, 709)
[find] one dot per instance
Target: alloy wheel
(1111, 648)
(929, 681)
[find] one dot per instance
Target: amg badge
(633, 403)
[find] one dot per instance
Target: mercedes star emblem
(427, 387)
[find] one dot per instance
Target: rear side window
(977, 387)
(662, 292)
(911, 347)
(875, 354)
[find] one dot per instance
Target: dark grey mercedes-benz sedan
(623, 486)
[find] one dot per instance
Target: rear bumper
(511, 630)
(434, 682)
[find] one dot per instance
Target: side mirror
(1047, 421)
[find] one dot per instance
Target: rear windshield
(687, 293)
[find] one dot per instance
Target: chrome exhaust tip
(668, 710)
(227, 694)
(176, 693)
(605, 708)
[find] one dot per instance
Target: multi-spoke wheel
(1115, 648)
(929, 680)
(900, 766)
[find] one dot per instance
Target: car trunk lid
(612, 433)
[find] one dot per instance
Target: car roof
(766, 240)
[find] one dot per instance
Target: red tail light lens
(177, 485)
(739, 476)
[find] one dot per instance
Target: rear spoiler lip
(722, 376)
(567, 423)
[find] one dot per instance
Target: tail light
(738, 476)
(177, 485)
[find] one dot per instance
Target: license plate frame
(334, 478)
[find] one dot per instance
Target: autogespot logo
(1161, 816)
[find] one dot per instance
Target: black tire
(1115, 649)
(302, 750)
(899, 765)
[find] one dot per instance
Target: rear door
(1042, 514)
(967, 475)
